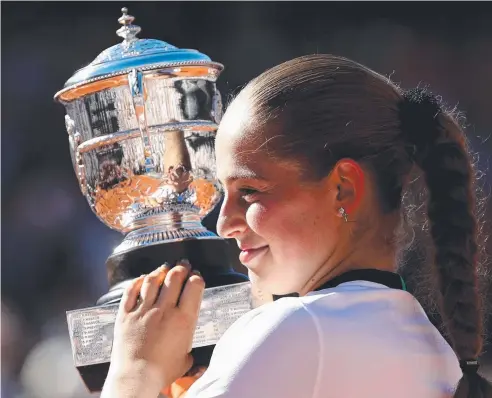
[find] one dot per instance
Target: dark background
(53, 246)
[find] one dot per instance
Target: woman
(314, 155)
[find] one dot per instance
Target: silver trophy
(141, 122)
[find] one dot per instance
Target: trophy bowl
(141, 121)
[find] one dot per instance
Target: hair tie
(469, 366)
(418, 111)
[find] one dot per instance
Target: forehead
(243, 150)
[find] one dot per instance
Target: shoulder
(271, 351)
(304, 317)
(285, 315)
(270, 328)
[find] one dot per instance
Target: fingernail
(165, 266)
(184, 262)
(197, 273)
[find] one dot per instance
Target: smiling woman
(314, 156)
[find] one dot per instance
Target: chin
(269, 284)
(254, 278)
(258, 283)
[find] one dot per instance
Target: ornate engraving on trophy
(91, 334)
(221, 307)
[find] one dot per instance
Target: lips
(247, 255)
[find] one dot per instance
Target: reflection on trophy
(141, 121)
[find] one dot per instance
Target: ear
(349, 179)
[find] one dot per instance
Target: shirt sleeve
(272, 352)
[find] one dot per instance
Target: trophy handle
(80, 168)
(75, 140)
(137, 90)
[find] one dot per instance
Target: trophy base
(94, 376)
(209, 256)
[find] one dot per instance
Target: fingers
(191, 298)
(150, 286)
(173, 284)
(172, 291)
(130, 295)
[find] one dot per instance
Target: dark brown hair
(330, 108)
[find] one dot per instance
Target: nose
(231, 222)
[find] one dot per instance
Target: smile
(247, 256)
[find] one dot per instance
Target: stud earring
(343, 214)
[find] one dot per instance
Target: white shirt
(359, 339)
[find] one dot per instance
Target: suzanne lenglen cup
(141, 122)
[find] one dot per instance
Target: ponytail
(439, 148)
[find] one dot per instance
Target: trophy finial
(128, 31)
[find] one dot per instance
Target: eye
(249, 194)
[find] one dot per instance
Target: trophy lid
(135, 53)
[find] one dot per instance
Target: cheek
(258, 218)
(293, 231)
(274, 223)
(283, 221)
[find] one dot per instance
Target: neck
(365, 258)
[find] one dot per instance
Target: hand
(153, 335)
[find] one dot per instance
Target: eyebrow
(246, 175)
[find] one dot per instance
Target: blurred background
(53, 246)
